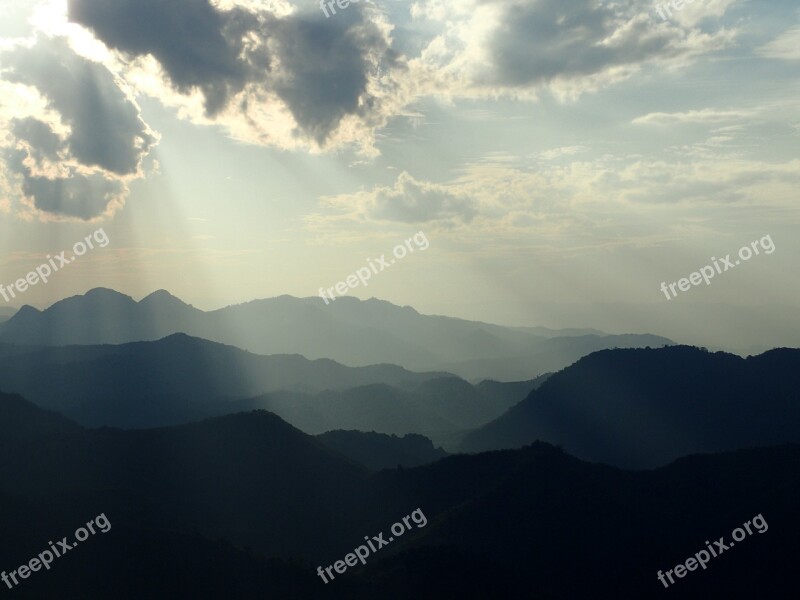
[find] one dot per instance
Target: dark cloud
(81, 172)
(196, 44)
(537, 42)
(320, 68)
(107, 131)
(74, 196)
(326, 64)
(39, 137)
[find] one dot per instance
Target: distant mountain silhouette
(520, 522)
(174, 380)
(101, 316)
(505, 392)
(443, 408)
(378, 451)
(644, 408)
(548, 332)
(350, 331)
(550, 355)
(181, 379)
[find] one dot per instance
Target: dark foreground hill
(349, 331)
(644, 408)
(378, 451)
(191, 506)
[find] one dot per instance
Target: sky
(561, 158)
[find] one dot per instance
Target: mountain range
(520, 523)
(180, 379)
(385, 333)
(235, 472)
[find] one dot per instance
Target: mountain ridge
(386, 333)
(250, 480)
(181, 379)
(617, 407)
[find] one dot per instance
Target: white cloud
(785, 47)
(693, 12)
(710, 116)
(555, 153)
(408, 201)
(575, 199)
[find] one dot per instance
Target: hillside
(644, 408)
(529, 517)
(442, 409)
(378, 451)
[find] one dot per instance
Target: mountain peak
(183, 338)
(27, 309)
(161, 296)
(101, 292)
(95, 297)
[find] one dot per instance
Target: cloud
(710, 116)
(42, 142)
(522, 47)
(283, 77)
(197, 45)
(75, 195)
(73, 137)
(785, 47)
(278, 73)
(576, 199)
(325, 69)
(106, 129)
(408, 201)
(694, 11)
(556, 153)
(538, 42)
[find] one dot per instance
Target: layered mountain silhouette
(533, 522)
(444, 409)
(234, 473)
(378, 451)
(643, 408)
(181, 379)
(286, 325)
(221, 473)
